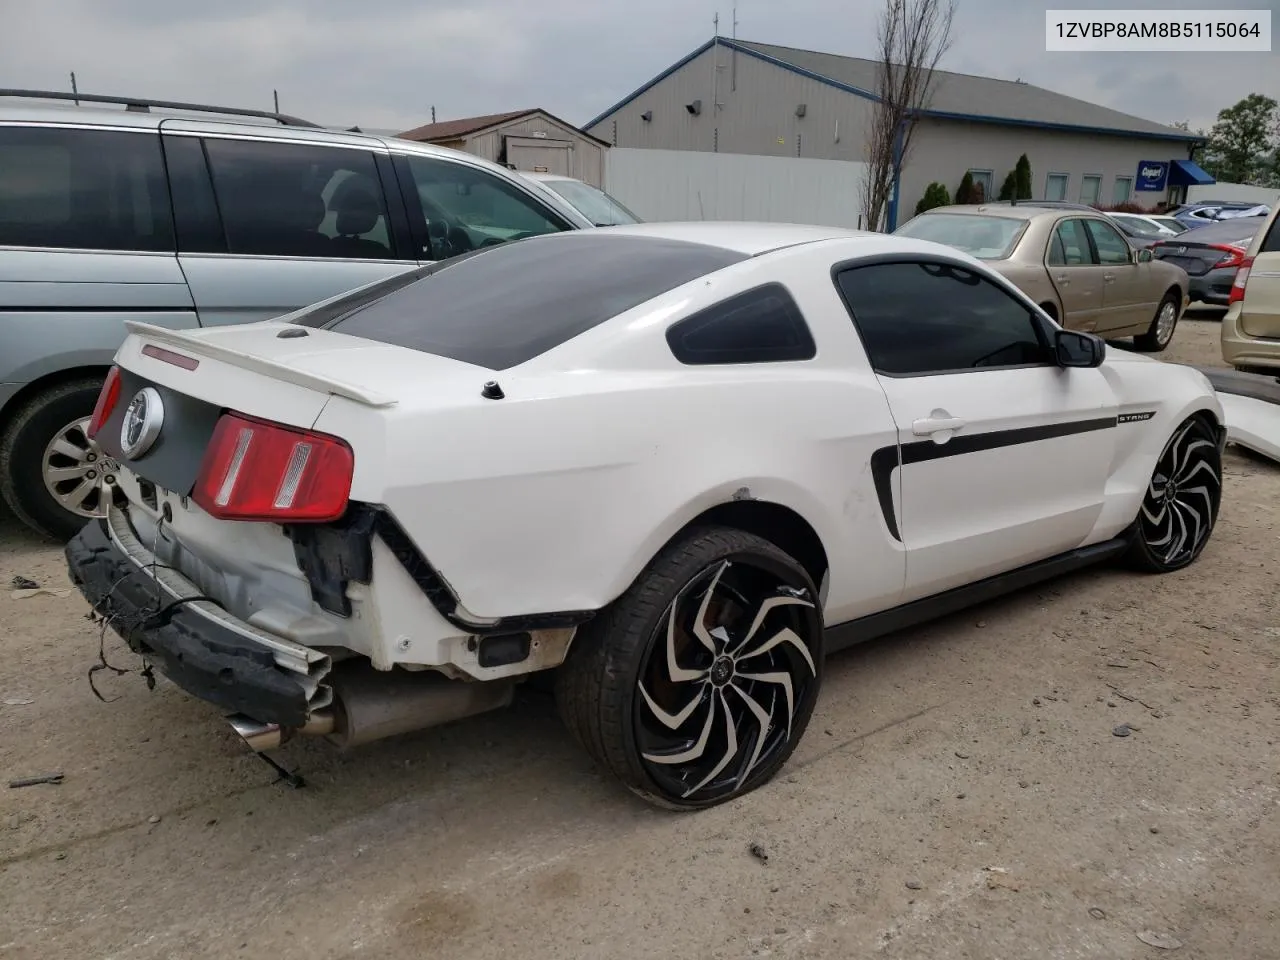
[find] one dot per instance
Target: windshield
(596, 205)
(987, 238)
(1136, 226)
(1171, 223)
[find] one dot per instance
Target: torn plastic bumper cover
(195, 643)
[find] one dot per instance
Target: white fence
(685, 185)
(1234, 191)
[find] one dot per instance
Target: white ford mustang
(675, 464)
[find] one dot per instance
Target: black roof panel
(505, 305)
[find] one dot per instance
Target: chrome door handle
(1061, 279)
(931, 425)
(1108, 277)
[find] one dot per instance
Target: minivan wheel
(1160, 333)
(52, 476)
(694, 687)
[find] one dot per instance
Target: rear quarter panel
(556, 497)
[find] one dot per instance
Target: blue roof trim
(652, 83)
(1190, 174)
(868, 95)
(1065, 127)
(792, 68)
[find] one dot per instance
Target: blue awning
(1184, 173)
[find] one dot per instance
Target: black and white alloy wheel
(1180, 506)
(695, 686)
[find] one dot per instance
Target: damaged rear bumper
(194, 642)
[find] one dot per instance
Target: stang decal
(918, 451)
(1136, 417)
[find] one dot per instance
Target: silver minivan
(184, 216)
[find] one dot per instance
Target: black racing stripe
(922, 450)
(884, 460)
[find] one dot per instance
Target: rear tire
(1180, 507)
(44, 451)
(695, 685)
(1160, 334)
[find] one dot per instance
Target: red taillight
(1240, 282)
(256, 470)
(1232, 256)
(107, 400)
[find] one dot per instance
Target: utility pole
(276, 95)
(433, 113)
(75, 92)
(733, 57)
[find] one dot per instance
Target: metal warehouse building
(733, 96)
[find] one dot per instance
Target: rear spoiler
(249, 361)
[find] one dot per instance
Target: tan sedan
(1251, 328)
(1075, 263)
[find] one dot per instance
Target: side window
(1112, 247)
(464, 208)
(1071, 236)
(1271, 242)
(195, 211)
(763, 325)
(299, 200)
(921, 318)
(83, 189)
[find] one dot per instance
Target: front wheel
(1160, 333)
(694, 687)
(1180, 507)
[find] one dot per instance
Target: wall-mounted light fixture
(802, 109)
(694, 108)
(647, 116)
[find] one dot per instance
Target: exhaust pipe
(374, 704)
(258, 736)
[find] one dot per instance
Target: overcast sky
(384, 63)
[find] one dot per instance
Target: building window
(1090, 188)
(1122, 191)
(984, 177)
(1055, 186)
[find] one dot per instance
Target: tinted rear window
(506, 305)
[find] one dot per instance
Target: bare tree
(912, 37)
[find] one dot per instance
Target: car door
(1073, 270)
(86, 243)
(1003, 456)
(267, 226)
(1127, 297)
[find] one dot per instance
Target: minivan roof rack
(144, 105)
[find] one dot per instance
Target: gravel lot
(960, 793)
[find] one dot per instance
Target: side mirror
(1144, 255)
(1074, 349)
